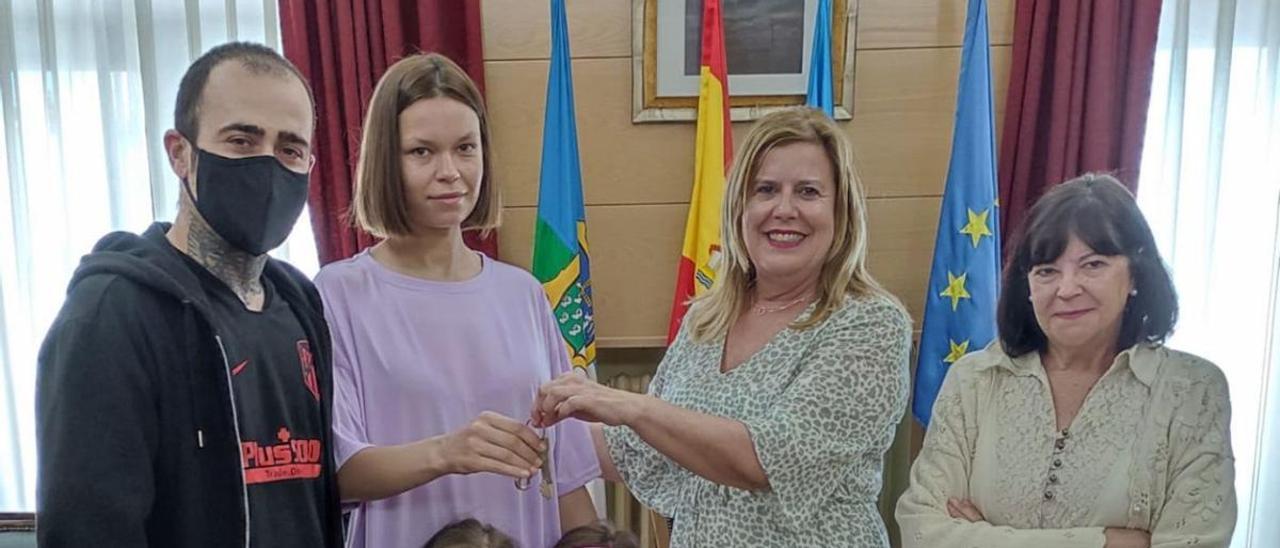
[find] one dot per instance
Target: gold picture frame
(649, 105)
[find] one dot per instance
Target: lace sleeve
(1200, 507)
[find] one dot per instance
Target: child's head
(469, 533)
(600, 534)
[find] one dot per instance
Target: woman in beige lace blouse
(767, 422)
(1080, 429)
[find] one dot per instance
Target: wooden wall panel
(904, 112)
(637, 176)
(521, 29)
(622, 162)
(634, 249)
(902, 232)
(926, 23)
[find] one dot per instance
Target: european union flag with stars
(960, 304)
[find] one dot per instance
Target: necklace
(762, 310)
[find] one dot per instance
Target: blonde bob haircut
(844, 272)
(378, 206)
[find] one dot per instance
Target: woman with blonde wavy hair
(768, 419)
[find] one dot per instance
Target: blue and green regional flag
(560, 259)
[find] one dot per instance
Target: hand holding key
(494, 443)
(547, 489)
(574, 395)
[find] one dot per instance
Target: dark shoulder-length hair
(1102, 213)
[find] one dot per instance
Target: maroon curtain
(1077, 101)
(342, 47)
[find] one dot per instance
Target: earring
(1133, 292)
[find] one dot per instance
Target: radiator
(624, 510)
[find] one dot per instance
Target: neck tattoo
(241, 271)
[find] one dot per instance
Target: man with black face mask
(184, 391)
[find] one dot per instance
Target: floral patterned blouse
(1149, 449)
(821, 405)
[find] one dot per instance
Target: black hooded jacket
(135, 424)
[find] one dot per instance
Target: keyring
(548, 477)
(523, 484)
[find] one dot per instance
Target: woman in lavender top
(437, 347)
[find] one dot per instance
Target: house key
(548, 487)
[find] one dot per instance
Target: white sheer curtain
(1211, 189)
(86, 90)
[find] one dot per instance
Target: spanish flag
(701, 251)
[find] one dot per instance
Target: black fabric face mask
(252, 203)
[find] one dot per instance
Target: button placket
(1052, 479)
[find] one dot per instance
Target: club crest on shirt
(308, 368)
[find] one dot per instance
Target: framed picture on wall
(767, 47)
